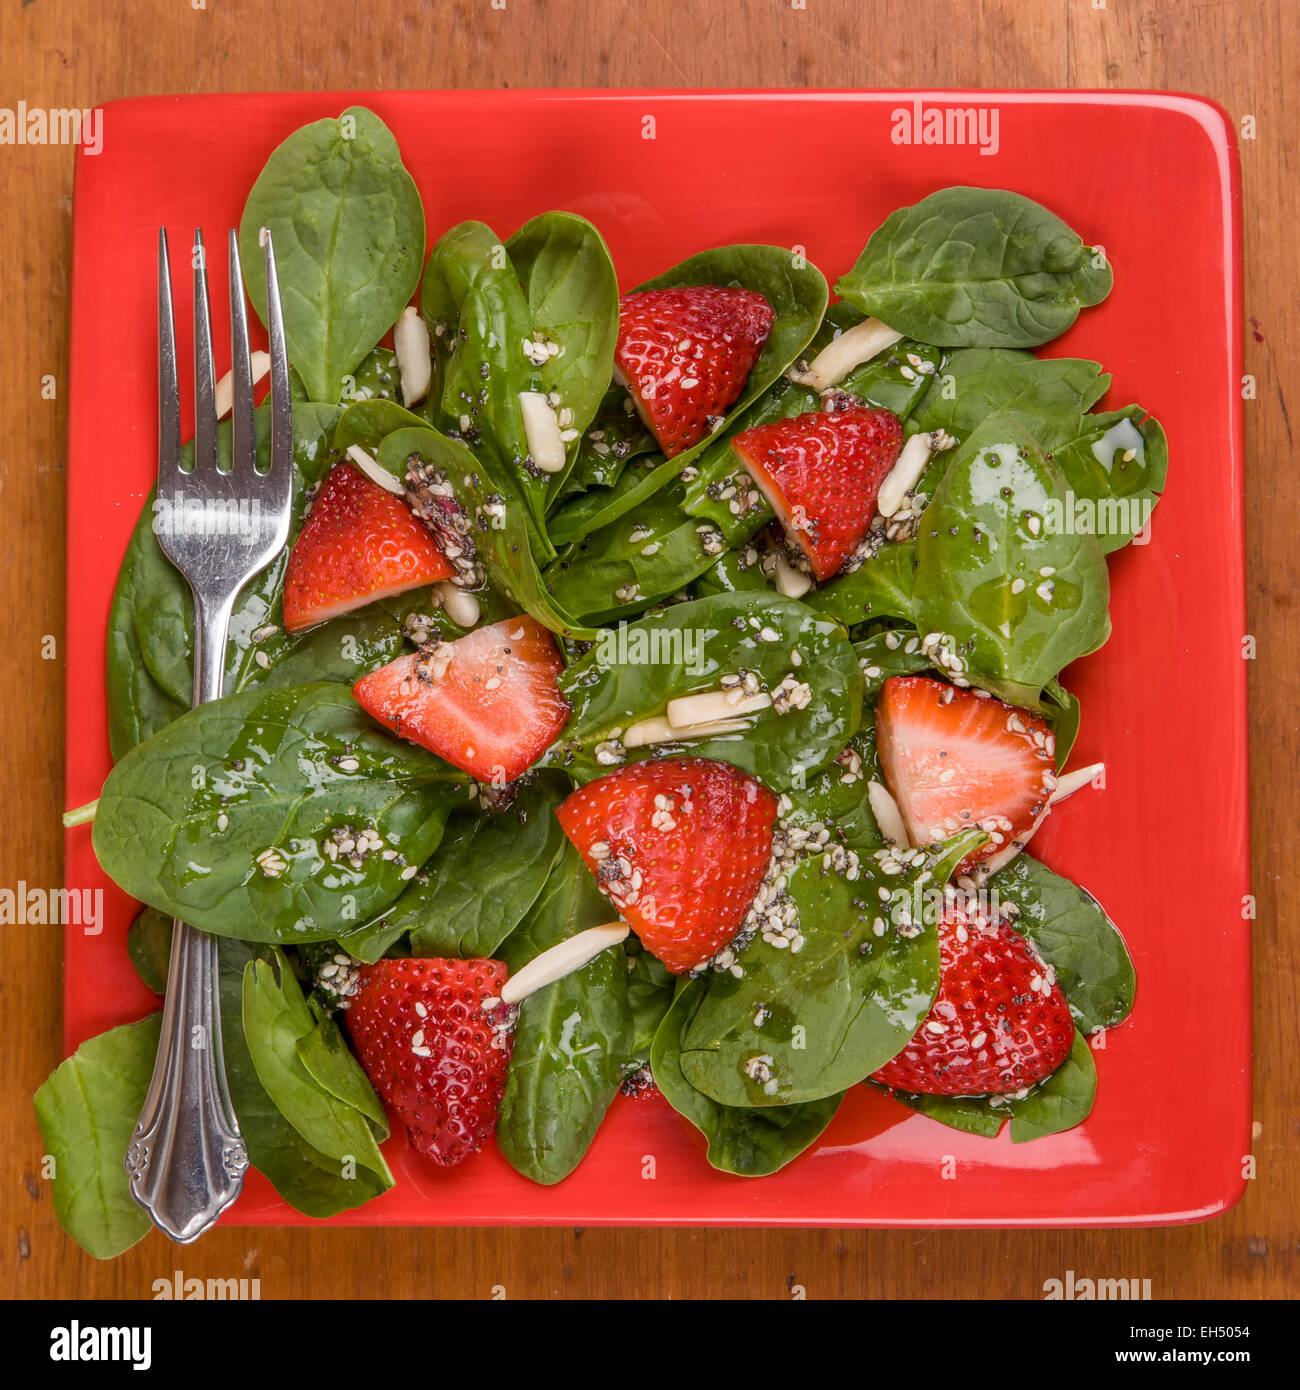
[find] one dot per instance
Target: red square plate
(1154, 178)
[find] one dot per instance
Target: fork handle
(187, 1160)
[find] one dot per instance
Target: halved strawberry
(489, 702)
(685, 355)
(435, 1041)
(679, 846)
(359, 544)
(999, 1021)
(821, 473)
(954, 760)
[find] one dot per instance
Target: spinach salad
(719, 612)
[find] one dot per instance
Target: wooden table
(61, 53)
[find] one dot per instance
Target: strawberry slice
(999, 1022)
(679, 846)
(821, 474)
(359, 544)
(954, 760)
(489, 702)
(435, 1040)
(685, 355)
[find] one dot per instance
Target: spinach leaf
(800, 1027)
(501, 530)
(616, 435)
(577, 1038)
(1113, 493)
(87, 1110)
(485, 876)
(1072, 933)
(149, 944)
(277, 1019)
(349, 243)
(881, 587)
(329, 1062)
(1020, 597)
(369, 422)
(1049, 393)
(1057, 1103)
(568, 277)
(836, 798)
(310, 1181)
(184, 817)
(749, 1142)
(797, 294)
(976, 267)
(633, 671)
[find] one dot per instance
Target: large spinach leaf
(349, 243)
(633, 672)
(87, 1110)
(1072, 933)
(797, 293)
(749, 1142)
(976, 267)
(882, 586)
(577, 1038)
(281, 1033)
(222, 818)
(800, 1027)
(1057, 1103)
(1020, 597)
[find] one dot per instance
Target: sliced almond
(461, 607)
(790, 579)
(904, 475)
(838, 358)
(414, 357)
(710, 728)
(259, 364)
(656, 729)
(562, 960)
(888, 817)
(713, 705)
(371, 467)
(543, 430)
(1071, 782)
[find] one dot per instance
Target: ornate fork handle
(187, 1161)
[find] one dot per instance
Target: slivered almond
(461, 607)
(259, 364)
(838, 358)
(370, 466)
(712, 706)
(888, 817)
(543, 431)
(790, 579)
(1071, 782)
(561, 960)
(414, 358)
(904, 475)
(656, 729)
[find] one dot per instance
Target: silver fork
(187, 1161)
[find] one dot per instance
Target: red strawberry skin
(359, 544)
(441, 1071)
(999, 1021)
(821, 473)
(954, 760)
(489, 702)
(679, 846)
(685, 355)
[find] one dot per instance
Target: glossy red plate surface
(1164, 847)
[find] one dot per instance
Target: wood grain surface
(60, 53)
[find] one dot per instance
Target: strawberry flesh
(360, 544)
(680, 846)
(489, 702)
(954, 761)
(685, 355)
(821, 473)
(434, 1039)
(999, 1021)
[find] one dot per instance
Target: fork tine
(205, 393)
(169, 394)
(243, 442)
(281, 402)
